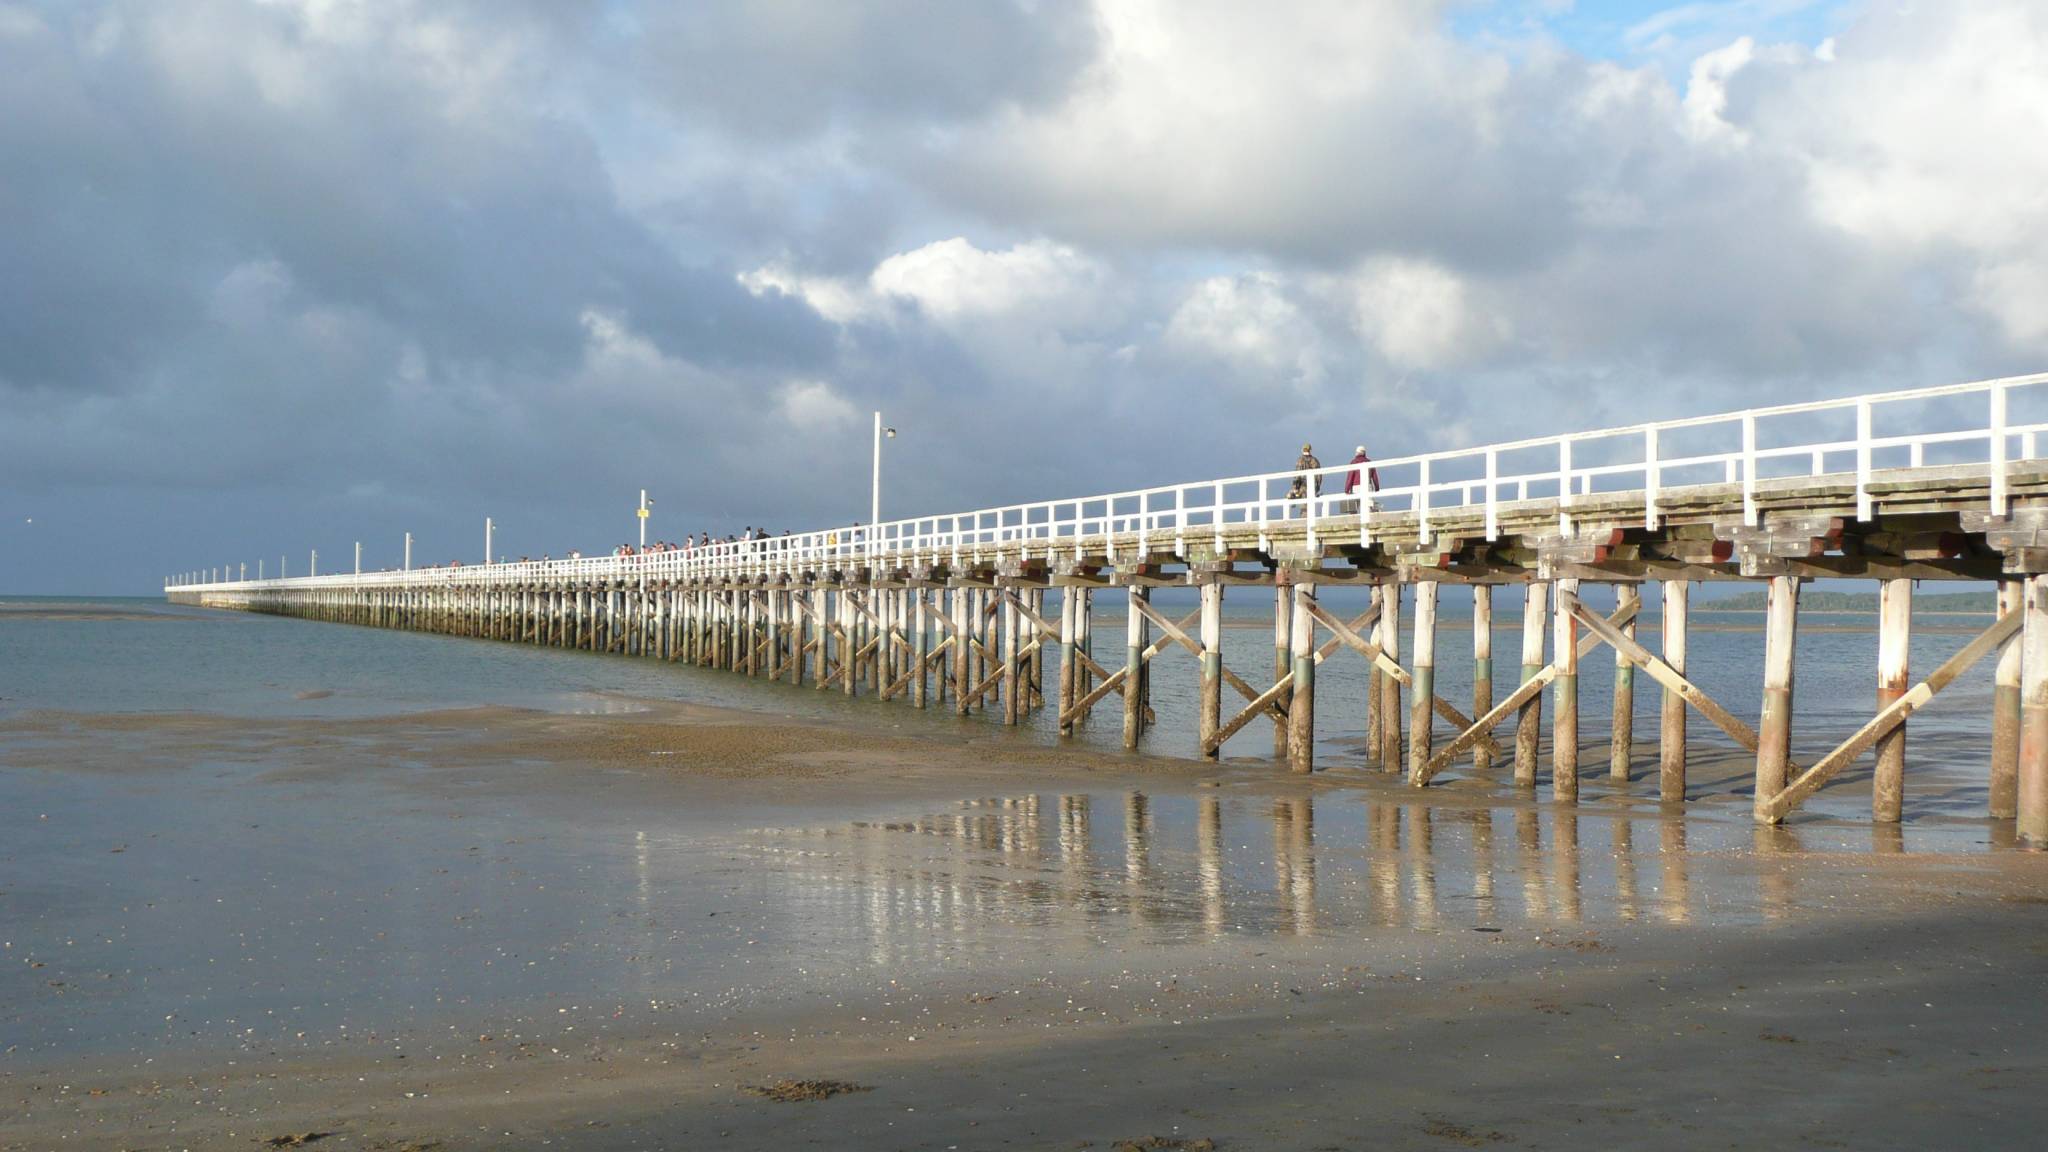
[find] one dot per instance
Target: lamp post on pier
(313, 563)
(875, 490)
(488, 529)
(408, 551)
(359, 557)
(645, 504)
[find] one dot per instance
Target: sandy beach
(955, 939)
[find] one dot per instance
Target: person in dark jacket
(1299, 489)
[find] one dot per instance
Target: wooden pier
(950, 611)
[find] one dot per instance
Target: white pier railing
(1966, 426)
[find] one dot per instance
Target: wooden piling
(1374, 694)
(1894, 642)
(1774, 732)
(963, 668)
(1070, 610)
(1135, 631)
(1283, 655)
(2005, 710)
(1390, 688)
(1423, 669)
(1622, 727)
(1301, 706)
(1210, 719)
(1529, 719)
(2031, 817)
(1671, 730)
(1564, 726)
(1012, 690)
(1482, 668)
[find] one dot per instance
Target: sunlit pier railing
(1861, 440)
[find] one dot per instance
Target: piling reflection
(1184, 867)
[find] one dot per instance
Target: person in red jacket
(1371, 476)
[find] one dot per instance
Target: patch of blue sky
(1649, 32)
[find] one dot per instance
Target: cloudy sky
(283, 276)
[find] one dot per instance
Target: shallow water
(246, 901)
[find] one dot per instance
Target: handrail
(1262, 500)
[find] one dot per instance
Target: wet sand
(498, 928)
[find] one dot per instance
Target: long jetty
(949, 610)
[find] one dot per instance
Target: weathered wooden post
(1529, 718)
(1084, 642)
(1012, 689)
(1301, 706)
(963, 627)
(1069, 610)
(920, 640)
(1894, 643)
(2005, 710)
(1283, 652)
(2032, 801)
(1375, 695)
(1482, 668)
(1210, 719)
(1390, 688)
(1621, 744)
(1423, 668)
(1671, 732)
(1564, 728)
(1774, 733)
(1135, 632)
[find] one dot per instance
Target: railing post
(1652, 477)
(1998, 469)
(1863, 460)
(1749, 469)
(1492, 509)
(1564, 486)
(1422, 503)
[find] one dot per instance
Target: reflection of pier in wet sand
(1211, 863)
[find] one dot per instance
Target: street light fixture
(875, 496)
(645, 504)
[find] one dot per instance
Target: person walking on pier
(1299, 489)
(1371, 476)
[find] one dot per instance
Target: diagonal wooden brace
(1661, 672)
(1894, 714)
(1463, 741)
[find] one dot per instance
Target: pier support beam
(1390, 688)
(1774, 731)
(2032, 790)
(1482, 668)
(1423, 668)
(1070, 609)
(1283, 654)
(1564, 727)
(1301, 708)
(1529, 721)
(1375, 695)
(1894, 643)
(1210, 720)
(1671, 732)
(1622, 729)
(1013, 694)
(1136, 630)
(2005, 710)
(963, 667)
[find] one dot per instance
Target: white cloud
(830, 297)
(1420, 315)
(1249, 322)
(812, 406)
(1706, 93)
(952, 278)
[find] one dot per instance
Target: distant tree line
(1817, 601)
